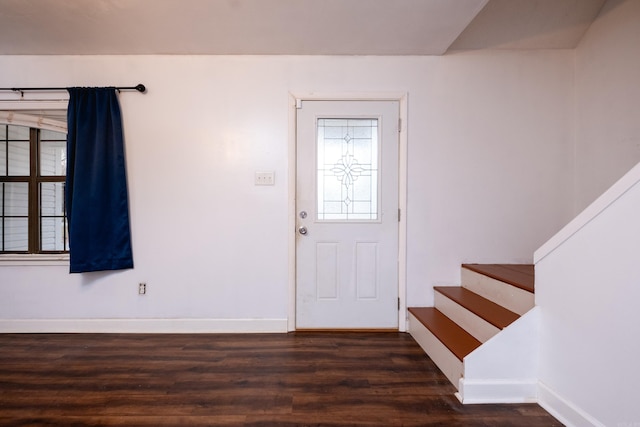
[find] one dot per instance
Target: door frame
(295, 99)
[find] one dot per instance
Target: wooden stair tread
(488, 310)
(519, 275)
(456, 339)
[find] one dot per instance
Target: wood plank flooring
(297, 379)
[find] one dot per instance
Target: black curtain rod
(140, 88)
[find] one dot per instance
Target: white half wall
(489, 174)
(587, 290)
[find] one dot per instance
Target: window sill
(9, 260)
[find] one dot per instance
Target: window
(347, 169)
(32, 179)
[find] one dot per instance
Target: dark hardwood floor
(297, 379)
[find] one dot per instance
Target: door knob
(302, 230)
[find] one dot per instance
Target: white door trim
(294, 100)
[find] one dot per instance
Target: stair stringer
(504, 369)
(444, 359)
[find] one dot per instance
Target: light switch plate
(265, 178)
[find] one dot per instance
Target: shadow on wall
(527, 24)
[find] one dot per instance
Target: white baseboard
(165, 326)
(566, 412)
(498, 391)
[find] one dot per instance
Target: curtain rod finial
(141, 88)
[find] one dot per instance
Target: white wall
(493, 173)
(607, 98)
(587, 288)
(488, 174)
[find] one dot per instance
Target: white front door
(347, 215)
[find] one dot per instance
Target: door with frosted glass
(347, 215)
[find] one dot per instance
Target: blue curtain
(96, 185)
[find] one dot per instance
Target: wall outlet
(142, 288)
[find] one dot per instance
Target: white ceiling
(289, 27)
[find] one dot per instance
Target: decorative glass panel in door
(347, 169)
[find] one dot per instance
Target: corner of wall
(566, 412)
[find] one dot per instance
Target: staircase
(482, 335)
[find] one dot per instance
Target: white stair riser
(479, 328)
(448, 363)
(510, 297)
